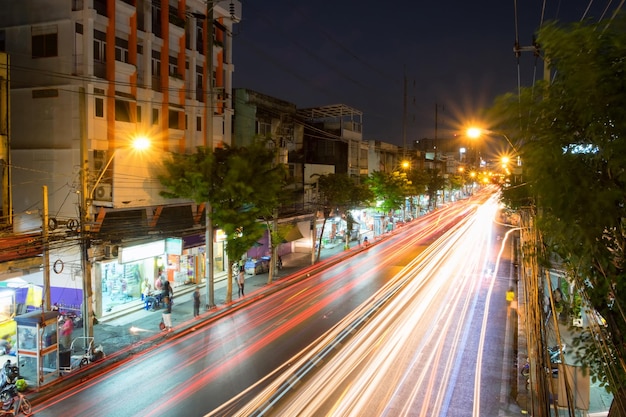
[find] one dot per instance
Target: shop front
(189, 266)
(119, 280)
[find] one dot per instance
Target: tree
(390, 189)
(419, 182)
(436, 182)
(337, 194)
(240, 183)
(573, 147)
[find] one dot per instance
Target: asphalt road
(435, 347)
(199, 371)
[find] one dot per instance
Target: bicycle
(16, 404)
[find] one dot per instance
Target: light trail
(216, 353)
(410, 353)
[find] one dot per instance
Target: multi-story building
(334, 136)
(87, 78)
(383, 157)
(261, 116)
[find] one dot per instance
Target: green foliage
(242, 185)
(390, 189)
(337, 194)
(456, 182)
(418, 181)
(574, 153)
(436, 182)
(188, 175)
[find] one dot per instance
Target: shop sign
(174, 246)
(220, 235)
(139, 252)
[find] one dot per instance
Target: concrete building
(333, 136)
(87, 78)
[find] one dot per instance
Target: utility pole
(46, 252)
(87, 311)
(208, 238)
(404, 119)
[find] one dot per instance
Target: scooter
(555, 353)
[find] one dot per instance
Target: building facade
(88, 78)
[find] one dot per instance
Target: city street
(438, 344)
(199, 370)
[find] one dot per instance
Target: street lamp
(138, 143)
(476, 132)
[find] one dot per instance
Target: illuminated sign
(139, 252)
(174, 246)
(220, 236)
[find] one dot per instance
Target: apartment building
(89, 77)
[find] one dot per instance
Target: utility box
(37, 346)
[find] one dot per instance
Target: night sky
(456, 56)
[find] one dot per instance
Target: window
(263, 129)
(122, 111)
(156, 63)
(99, 46)
(138, 114)
(156, 70)
(199, 90)
(44, 41)
(173, 66)
(99, 107)
(174, 119)
(199, 124)
(156, 19)
(3, 42)
(121, 50)
(155, 116)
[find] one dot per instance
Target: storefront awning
(293, 234)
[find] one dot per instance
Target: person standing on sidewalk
(67, 328)
(166, 291)
(241, 279)
(167, 315)
(196, 302)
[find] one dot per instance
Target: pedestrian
(67, 328)
(167, 315)
(166, 290)
(241, 279)
(146, 288)
(196, 302)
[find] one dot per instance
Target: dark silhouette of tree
(572, 137)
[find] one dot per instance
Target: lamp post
(476, 132)
(139, 143)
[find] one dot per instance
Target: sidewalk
(137, 330)
(137, 324)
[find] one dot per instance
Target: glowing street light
(476, 132)
(140, 143)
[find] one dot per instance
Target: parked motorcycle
(555, 353)
(9, 375)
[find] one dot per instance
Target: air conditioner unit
(103, 192)
(110, 251)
